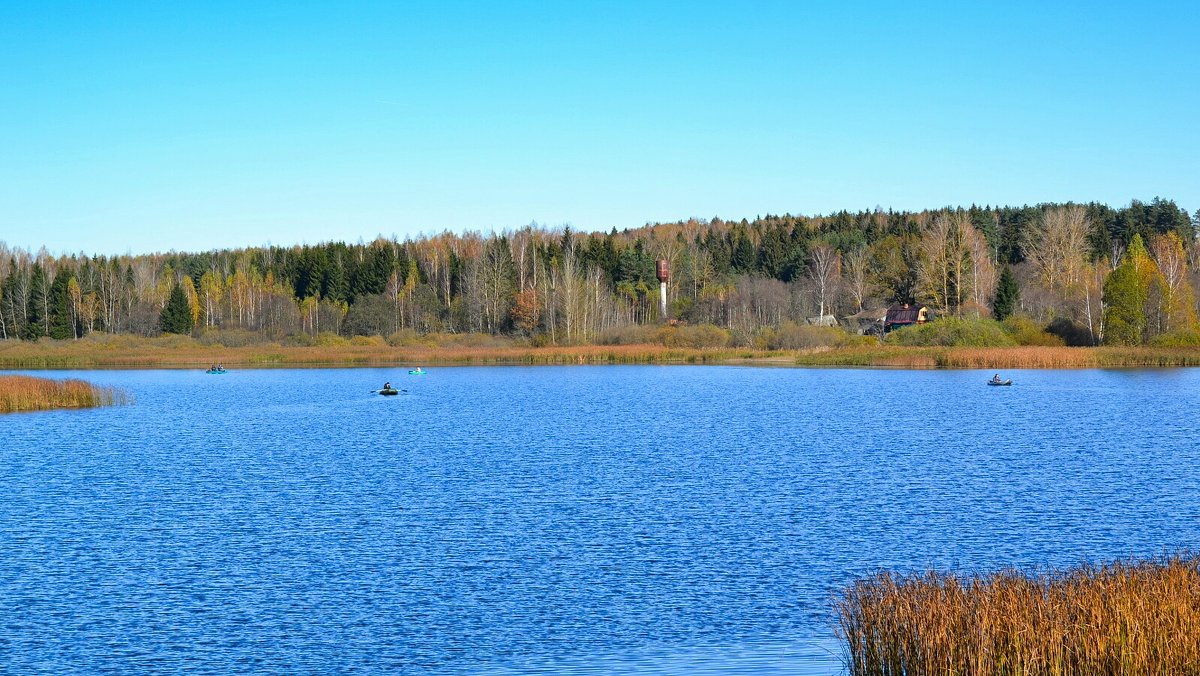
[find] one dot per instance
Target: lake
(568, 520)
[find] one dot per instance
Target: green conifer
(176, 317)
(1008, 295)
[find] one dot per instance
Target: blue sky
(190, 126)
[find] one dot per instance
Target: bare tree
(1093, 298)
(982, 271)
(857, 275)
(1176, 301)
(1057, 246)
(944, 258)
(824, 269)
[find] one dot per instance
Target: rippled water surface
(613, 519)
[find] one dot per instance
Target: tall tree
(62, 320)
(1008, 295)
(824, 269)
(176, 316)
(1125, 294)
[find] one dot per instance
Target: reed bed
(1133, 617)
(183, 352)
(1004, 357)
(158, 353)
(25, 393)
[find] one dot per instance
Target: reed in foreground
(24, 393)
(1138, 617)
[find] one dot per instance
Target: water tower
(663, 271)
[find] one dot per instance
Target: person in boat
(996, 378)
(387, 386)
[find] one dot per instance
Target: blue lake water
(572, 520)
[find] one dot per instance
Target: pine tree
(62, 324)
(176, 317)
(35, 313)
(1008, 295)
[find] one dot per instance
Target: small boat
(216, 372)
(389, 392)
(999, 383)
(416, 372)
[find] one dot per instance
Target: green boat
(416, 372)
(216, 372)
(388, 393)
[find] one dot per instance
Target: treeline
(1097, 273)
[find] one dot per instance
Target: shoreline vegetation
(1124, 617)
(99, 352)
(19, 394)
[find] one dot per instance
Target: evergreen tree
(176, 317)
(1008, 294)
(35, 312)
(62, 325)
(743, 253)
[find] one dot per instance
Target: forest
(1081, 274)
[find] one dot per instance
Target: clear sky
(195, 125)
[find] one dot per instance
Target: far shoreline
(179, 352)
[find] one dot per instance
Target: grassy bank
(1140, 617)
(184, 352)
(23, 393)
(1025, 357)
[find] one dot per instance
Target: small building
(902, 315)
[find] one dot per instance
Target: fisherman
(387, 386)
(996, 378)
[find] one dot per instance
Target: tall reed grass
(1026, 357)
(1130, 617)
(24, 393)
(100, 351)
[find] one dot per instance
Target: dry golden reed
(103, 351)
(1028, 357)
(1132, 617)
(24, 393)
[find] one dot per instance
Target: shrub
(1181, 338)
(404, 337)
(367, 341)
(627, 335)
(1072, 334)
(704, 335)
(215, 337)
(792, 336)
(327, 339)
(300, 339)
(1025, 331)
(953, 332)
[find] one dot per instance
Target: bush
(1072, 334)
(953, 332)
(1027, 332)
(299, 339)
(229, 337)
(1182, 338)
(405, 337)
(327, 339)
(704, 335)
(368, 341)
(627, 335)
(792, 336)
